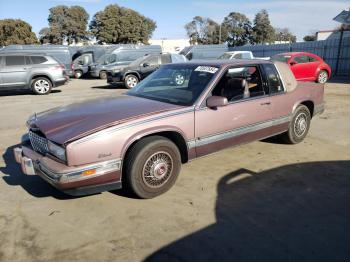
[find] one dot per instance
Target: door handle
(266, 104)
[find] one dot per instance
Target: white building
(330, 34)
(170, 45)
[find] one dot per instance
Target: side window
(311, 59)
(240, 83)
(301, 59)
(246, 56)
(28, 61)
(273, 79)
(112, 58)
(238, 56)
(38, 59)
(166, 59)
(14, 60)
(152, 60)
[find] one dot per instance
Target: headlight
(30, 120)
(56, 150)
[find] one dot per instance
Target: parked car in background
(61, 53)
(240, 55)
(39, 73)
(133, 73)
(121, 56)
(306, 66)
(86, 56)
(143, 137)
(203, 52)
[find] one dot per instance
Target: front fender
(150, 131)
(132, 73)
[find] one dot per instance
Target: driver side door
(149, 65)
(240, 121)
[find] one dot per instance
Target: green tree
(203, 30)
(284, 34)
(65, 23)
(263, 32)
(16, 31)
(120, 25)
(308, 38)
(238, 29)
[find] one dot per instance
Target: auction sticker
(208, 69)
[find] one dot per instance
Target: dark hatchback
(133, 73)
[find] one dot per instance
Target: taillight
(59, 67)
(72, 66)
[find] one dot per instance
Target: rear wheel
(322, 77)
(152, 166)
(78, 74)
(41, 86)
(131, 81)
(103, 74)
(299, 126)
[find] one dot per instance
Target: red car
(306, 66)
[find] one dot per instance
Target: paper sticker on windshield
(207, 69)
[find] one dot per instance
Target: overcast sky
(300, 16)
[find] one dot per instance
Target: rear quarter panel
(286, 103)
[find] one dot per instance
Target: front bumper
(114, 79)
(82, 180)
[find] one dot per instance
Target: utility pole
(344, 18)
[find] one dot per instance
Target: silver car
(39, 73)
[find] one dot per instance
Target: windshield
(177, 84)
(225, 56)
(281, 58)
(103, 60)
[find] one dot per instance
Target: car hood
(67, 123)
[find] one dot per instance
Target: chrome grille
(38, 142)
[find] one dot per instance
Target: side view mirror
(145, 64)
(293, 63)
(216, 101)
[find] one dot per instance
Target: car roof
(226, 62)
(296, 53)
(17, 53)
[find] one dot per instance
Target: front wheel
(131, 81)
(78, 74)
(322, 77)
(41, 86)
(152, 166)
(299, 126)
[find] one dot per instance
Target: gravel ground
(262, 201)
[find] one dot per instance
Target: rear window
(273, 79)
(38, 59)
(14, 60)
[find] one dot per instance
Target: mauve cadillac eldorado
(142, 138)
